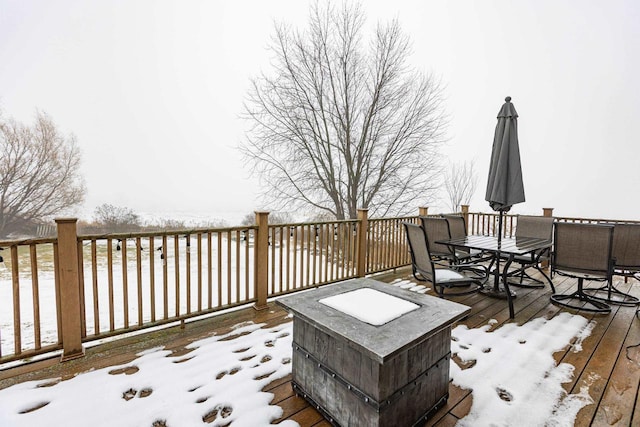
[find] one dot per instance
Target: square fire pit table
(366, 353)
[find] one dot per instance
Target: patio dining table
(507, 247)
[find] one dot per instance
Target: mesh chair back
(534, 226)
(437, 229)
(457, 229)
(583, 248)
(457, 226)
(419, 250)
(626, 246)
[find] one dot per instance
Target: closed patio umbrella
(504, 186)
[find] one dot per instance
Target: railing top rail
(304, 224)
(567, 218)
(577, 219)
(28, 241)
(173, 232)
(396, 218)
(491, 213)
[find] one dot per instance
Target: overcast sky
(153, 91)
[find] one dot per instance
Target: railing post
(465, 214)
(361, 252)
(261, 260)
(423, 211)
(69, 282)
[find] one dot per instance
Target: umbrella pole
(496, 283)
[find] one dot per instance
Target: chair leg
(611, 291)
(537, 285)
(474, 288)
(419, 277)
(598, 306)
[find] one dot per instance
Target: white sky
(512, 361)
(153, 91)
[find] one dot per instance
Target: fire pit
(368, 353)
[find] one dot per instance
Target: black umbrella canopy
(505, 187)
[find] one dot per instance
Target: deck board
(609, 362)
(622, 388)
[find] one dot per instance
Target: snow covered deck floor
(607, 367)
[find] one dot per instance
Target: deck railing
(138, 280)
(58, 293)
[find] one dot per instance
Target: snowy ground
(510, 370)
(217, 383)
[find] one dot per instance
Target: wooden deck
(609, 361)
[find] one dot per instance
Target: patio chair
(424, 267)
(626, 262)
(437, 229)
(540, 227)
(458, 229)
(582, 251)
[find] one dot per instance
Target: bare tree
(116, 218)
(460, 182)
(39, 173)
(341, 123)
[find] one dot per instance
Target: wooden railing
(310, 254)
(27, 278)
(596, 220)
(130, 281)
(58, 293)
(386, 244)
(487, 223)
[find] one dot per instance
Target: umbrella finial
(508, 99)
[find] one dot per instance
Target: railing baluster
(295, 257)
(272, 263)
(229, 287)
(164, 254)
(94, 281)
(308, 264)
(139, 279)
(314, 276)
(209, 271)
(188, 271)
(35, 290)
(176, 262)
(15, 279)
(246, 264)
(288, 261)
(219, 285)
(152, 278)
(324, 254)
(281, 259)
(125, 282)
(112, 325)
(199, 260)
(83, 312)
(237, 265)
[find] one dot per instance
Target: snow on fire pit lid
(370, 306)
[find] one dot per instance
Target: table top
(507, 245)
(382, 342)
